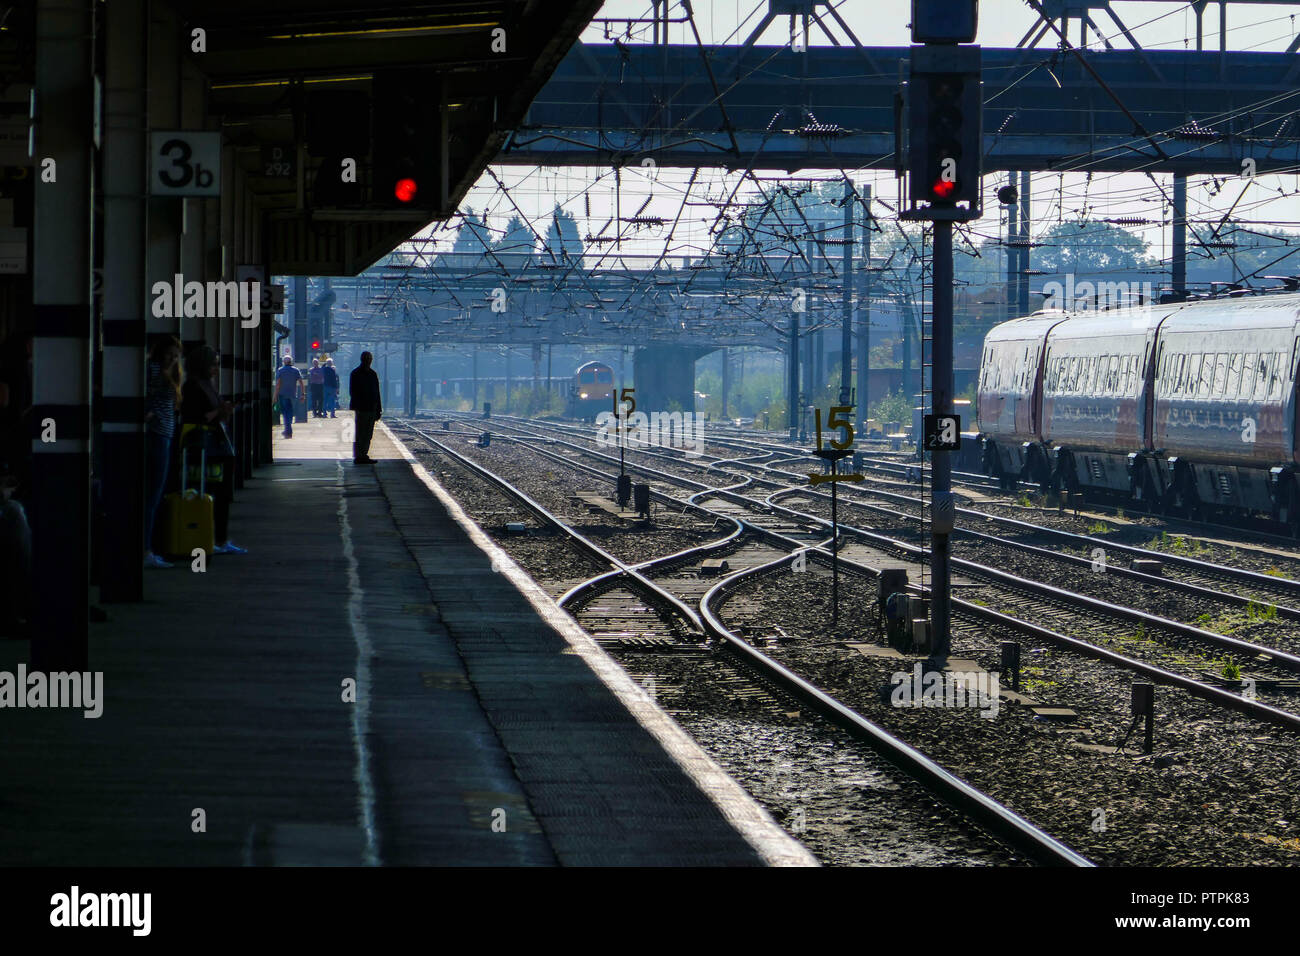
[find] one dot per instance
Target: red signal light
(315, 346)
(943, 188)
(405, 190)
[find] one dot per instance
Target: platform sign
(941, 433)
(272, 300)
(185, 163)
(277, 160)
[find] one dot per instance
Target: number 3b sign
(185, 163)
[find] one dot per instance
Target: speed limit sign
(185, 163)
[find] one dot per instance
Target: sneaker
(229, 548)
(153, 561)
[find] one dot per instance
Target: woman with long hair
(163, 398)
(202, 404)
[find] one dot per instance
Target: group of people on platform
(321, 385)
(183, 404)
(363, 389)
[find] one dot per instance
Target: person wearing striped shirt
(162, 396)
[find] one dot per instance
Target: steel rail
(1003, 822)
(1206, 692)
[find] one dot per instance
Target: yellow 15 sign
(838, 419)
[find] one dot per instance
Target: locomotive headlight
(582, 395)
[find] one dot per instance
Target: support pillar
(125, 302)
(665, 378)
(846, 320)
(792, 370)
(63, 240)
(726, 381)
(1013, 256)
(864, 321)
(1179, 244)
(1023, 272)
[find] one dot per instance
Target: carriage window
(587, 377)
(1180, 376)
(1279, 371)
(1220, 373)
(1261, 383)
(1234, 374)
(1206, 375)
(1248, 370)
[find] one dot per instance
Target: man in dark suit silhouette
(363, 388)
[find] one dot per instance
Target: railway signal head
(406, 137)
(945, 128)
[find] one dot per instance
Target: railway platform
(373, 683)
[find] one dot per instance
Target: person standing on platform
(163, 401)
(316, 381)
(331, 387)
(288, 383)
(363, 387)
(203, 405)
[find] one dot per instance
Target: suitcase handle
(185, 472)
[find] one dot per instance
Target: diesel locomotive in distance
(591, 391)
(1185, 407)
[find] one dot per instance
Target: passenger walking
(331, 387)
(288, 384)
(202, 405)
(363, 387)
(163, 400)
(316, 381)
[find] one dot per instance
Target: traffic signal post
(944, 165)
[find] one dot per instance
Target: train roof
(1279, 310)
(593, 365)
(1131, 321)
(1256, 312)
(1026, 328)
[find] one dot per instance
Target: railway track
(630, 606)
(1197, 577)
(1026, 600)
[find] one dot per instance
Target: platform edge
(773, 845)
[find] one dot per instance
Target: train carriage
(1224, 410)
(1007, 397)
(1094, 396)
(1183, 406)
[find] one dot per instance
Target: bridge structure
(1049, 105)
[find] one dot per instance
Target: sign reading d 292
(942, 433)
(185, 163)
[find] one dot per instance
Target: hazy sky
(590, 193)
